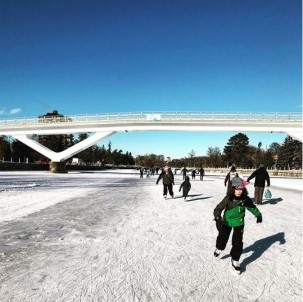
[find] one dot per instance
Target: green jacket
(234, 210)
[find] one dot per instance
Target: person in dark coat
(233, 206)
(141, 172)
(184, 171)
(201, 171)
(193, 174)
(186, 186)
(261, 176)
(167, 177)
(230, 175)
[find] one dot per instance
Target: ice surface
(112, 237)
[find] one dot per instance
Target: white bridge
(104, 125)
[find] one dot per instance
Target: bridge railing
(157, 116)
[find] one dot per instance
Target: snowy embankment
(112, 237)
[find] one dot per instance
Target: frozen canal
(112, 237)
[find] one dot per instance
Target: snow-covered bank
(112, 237)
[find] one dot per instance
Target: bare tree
(191, 154)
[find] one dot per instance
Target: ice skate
(164, 196)
(217, 252)
(236, 265)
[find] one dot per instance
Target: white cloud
(2, 111)
(15, 110)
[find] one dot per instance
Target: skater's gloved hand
(219, 225)
(156, 183)
(259, 219)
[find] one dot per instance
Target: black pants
(170, 190)
(237, 240)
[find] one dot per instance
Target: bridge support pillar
(57, 167)
(58, 158)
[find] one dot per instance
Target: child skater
(233, 207)
(186, 187)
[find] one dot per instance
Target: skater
(193, 174)
(230, 175)
(234, 206)
(186, 186)
(168, 181)
(261, 175)
(184, 171)
(201, 171)
(141, 172)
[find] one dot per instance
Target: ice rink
(110, 236)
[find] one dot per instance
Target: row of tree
(238, 151)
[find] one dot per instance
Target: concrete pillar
(57, 167)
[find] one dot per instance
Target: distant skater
(167, 177)
(186, 186)
(183, 172)
(230, 175)
(201, 171)
(141, 172)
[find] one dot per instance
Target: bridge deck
(147, 118)
(104, 125)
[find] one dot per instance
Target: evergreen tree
(259, 155)
(236, 150)
(274, 148)
(290, 154)
(23, 153)
(2, 142)
(268, 159)
(87, 154)
(5, 148)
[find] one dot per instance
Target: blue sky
(87, 57)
